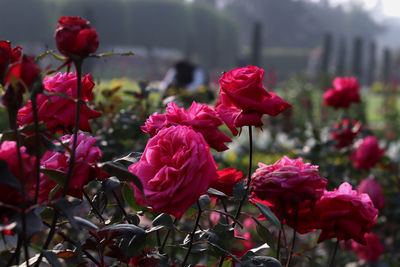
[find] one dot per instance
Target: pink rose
(344, 93)
(374, 190)
(58, 112)
(227, 178)
(368, 153)
(87, 157)
(243, 100)
(8, 152)
(345, 214)
(345, 132)
(372, 251)
(176, 168)
(201, 117)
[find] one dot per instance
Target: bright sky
(388, 7)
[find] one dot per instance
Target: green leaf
(131, 158)
(7, 178)
(128, 194)
(215, 192)
(56, 176)
(53, 192)
(119, 170)
(265, 234)
(164, 220)
(111, 184)
(85, 223)
(250, 259)
(268, 214)
(67, 207)
(52, 258)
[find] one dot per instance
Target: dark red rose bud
(75, 37)
(5, 54)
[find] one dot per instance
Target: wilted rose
(176, 168)
(243, 100)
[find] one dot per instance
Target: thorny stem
(192, 234)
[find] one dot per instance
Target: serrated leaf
(164, 220)
(7, 178)
(268, 214)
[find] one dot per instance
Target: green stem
(192, 234)
(332, 261)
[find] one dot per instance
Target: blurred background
(341, 37)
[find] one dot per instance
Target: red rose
(227, 178)
(368, 153)
(75, 37)
(372, 251)
(374, 190)
(176, 168)
(5, 55)
(201, 117)
(58, 112)
(85, 169)
(345, 132)
(344, 93)
(243, 100)
(8, 152)
(345, 214)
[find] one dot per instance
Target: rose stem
(93, 207)
(78, 68)
(192, 234)
(294, 237)
(225, 209)
(166, 237)
(13, 125)
(249, 176)
(120, 206)
(332, 261)
(280, 232)
(37, 142)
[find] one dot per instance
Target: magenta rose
(345, 214)
(8, 153)
(243, 100)
(201, 117)
(345, 132)
(57, 111)
(75, 37)
(343, 93)
(372, 251)
(367, 154)
(176, 168)
(86, 167)
(374, 190)
(227, 178)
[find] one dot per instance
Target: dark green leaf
(215, 192)
(250, 259)
(7, 178)
(268, 214)
(33, 222)
(204, 201)
(265, 234)
(111, 184)
(100, 201)
(85, 223)
(67, 207)
(53, 192)
(239, 190)
(56, 176)
(52, 258)
(164, 220)
(131, 158)
(128, 193)
(51, 146)
(122, 173)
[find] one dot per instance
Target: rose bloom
(343, 93)
(227, 178)
(7, 56)
(243, 100)
(368, 153)
(75, 37)
(374, 190)
(176, 168)
(201, 117)
(372, 251)
(345, 214)
(87, 157)
(19, 77)
(58, 112)
(345, 132)
(8, 153)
